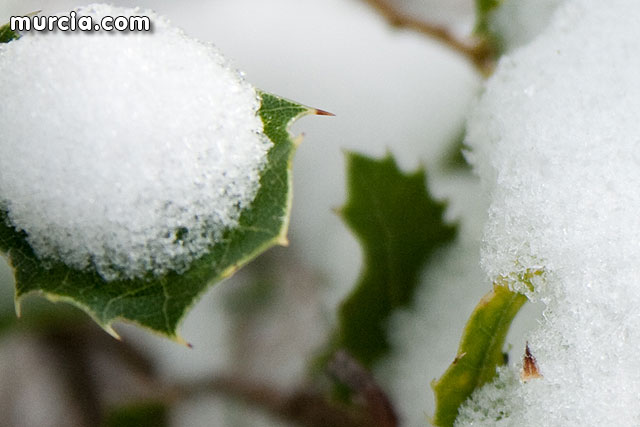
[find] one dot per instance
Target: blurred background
(392, 90)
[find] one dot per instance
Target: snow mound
(556, 141)
(131, 152)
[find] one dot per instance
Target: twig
(349, 372)
(476, 50)
(308, 405)
(72, 349)
(69, 352)
(304, 407)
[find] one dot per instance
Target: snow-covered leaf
(159, 302)
(399, 226)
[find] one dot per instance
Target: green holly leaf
(479, 354)
(160, 302)
(399, 226)
(485, 31)
(484, 8)
(145, 414)
(6, 35)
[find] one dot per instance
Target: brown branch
(303, 407)
(74, 348)
(310, 405)
(478, 51)
(349, 372)
(69, 354)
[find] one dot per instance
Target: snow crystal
(129, 151)
(556, 140)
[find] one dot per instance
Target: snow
(517, 22)
(131, 152)
(556, 142)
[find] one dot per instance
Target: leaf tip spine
(17, 306)
(283, 240)
(319, 112)
(109, 329)
(178, 339)
(530, 370)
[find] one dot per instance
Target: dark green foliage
(399, 226)
(483, 10)
(160, 302)
(138, 415)
(6, 35)
(483, 28)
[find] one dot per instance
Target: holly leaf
(483, 15)
(399, 226)
(479, 353)
(6, 35)
(485, 31)
(160, 302)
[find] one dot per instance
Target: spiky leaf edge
(277, 115)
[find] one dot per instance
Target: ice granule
(556, 140)
(132, 152)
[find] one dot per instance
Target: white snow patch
(131, 152)
(556, 140)
(517, 22)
